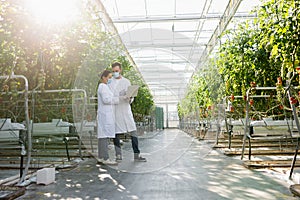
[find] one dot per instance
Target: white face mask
(116, 74)
(109, 81)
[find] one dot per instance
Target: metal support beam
(27, 121)
(143, 19)
(199, 28)
(161, 45)
(112, 29)
(224, 21)
(160, 61)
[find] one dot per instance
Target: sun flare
(53, 11)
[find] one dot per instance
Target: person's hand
(124, 98)
(131, 99)
(122, 93)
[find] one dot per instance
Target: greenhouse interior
(149, 99)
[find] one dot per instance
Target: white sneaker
(109, 162)
(100, 160)
(118, 158)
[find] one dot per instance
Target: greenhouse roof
(169, 40)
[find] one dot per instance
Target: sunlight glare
(53, 11)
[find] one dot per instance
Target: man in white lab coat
(124, 119)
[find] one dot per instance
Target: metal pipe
(194, 17)
(29, 145)
(27, 115)
(248, 95)
(61, 90)
(298, 128)
(83, 112)
(246, 123)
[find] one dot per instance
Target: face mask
(116, 74)
(109, 81)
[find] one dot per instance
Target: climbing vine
(54, 56)
(259, 51)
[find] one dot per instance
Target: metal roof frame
(187, 37)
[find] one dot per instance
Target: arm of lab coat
(107, 98)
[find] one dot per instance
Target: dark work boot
(139, 158)
(118, 158)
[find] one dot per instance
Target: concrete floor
(178, 167)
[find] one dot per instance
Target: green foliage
(57, 56)
(241, 60)
(279, 24)
(255, 51)
(205, 90)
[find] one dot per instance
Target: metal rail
(29, 147)
(29, 129)
(83, 112)
(224, 21)
(142, 19)
(247, 121)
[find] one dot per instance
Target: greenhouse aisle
(178, 167)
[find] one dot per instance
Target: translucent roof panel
(159, 7)
(189, 7)
(217, 6)
(168, 39)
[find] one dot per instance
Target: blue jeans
(134, 143)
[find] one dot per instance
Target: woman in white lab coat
(105, 117)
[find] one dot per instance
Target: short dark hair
(105, 73)
(115, 64)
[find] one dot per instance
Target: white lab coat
(106, 112)
(124, 118)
